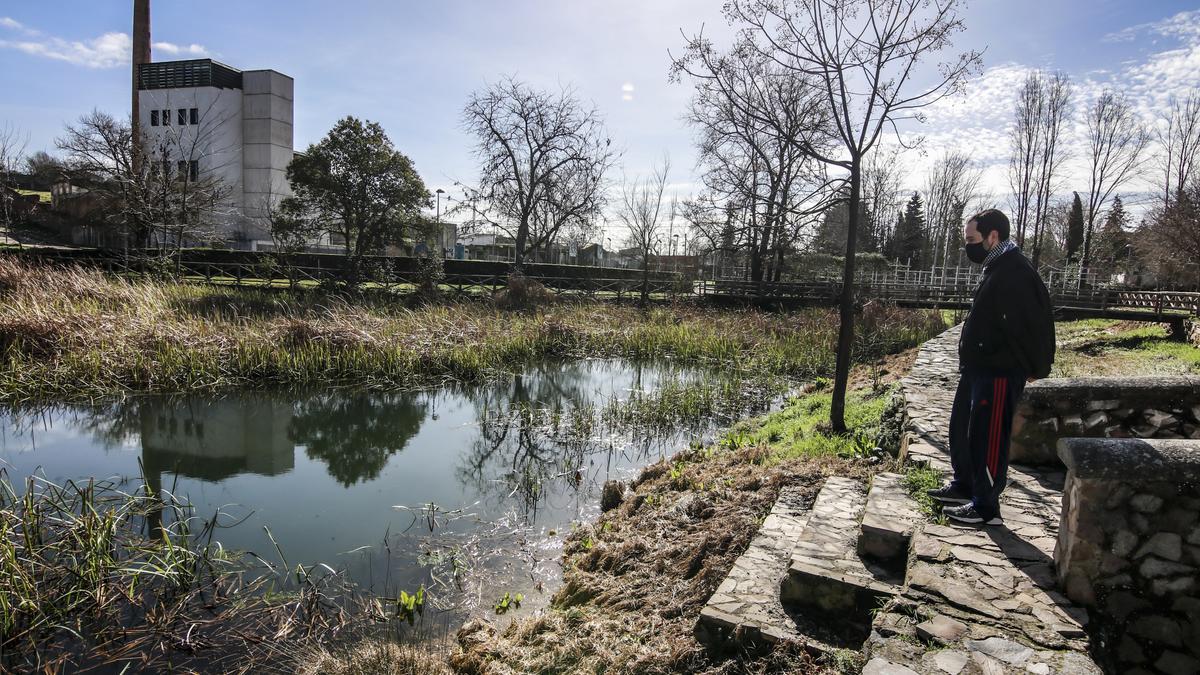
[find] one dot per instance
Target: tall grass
(73, 334)
(94, 576)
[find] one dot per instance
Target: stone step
(826, 575)
(888, 523)
(745, 612)
(918, 451)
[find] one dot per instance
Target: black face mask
(976, 253)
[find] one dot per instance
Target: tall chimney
(141, 54)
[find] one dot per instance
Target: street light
(440, 192)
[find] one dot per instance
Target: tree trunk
(645, 280)
(1087, 247)
(841, 373)
(519, 245)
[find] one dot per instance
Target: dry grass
(76, 335)
(92, 577)
(636, 580)
(375, 657)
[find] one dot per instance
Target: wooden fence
(397, 274)
(1101, 301)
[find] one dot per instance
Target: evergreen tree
(1112, 245)
(1075, 228)
(910, 233)
(831, 233)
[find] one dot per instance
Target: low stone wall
(1103, 407)
(1129, 547)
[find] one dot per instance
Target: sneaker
(967, 514)
(948, 495)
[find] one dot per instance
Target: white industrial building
(214, 121)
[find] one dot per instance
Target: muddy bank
(636, 579)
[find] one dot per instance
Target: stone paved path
(977, 600)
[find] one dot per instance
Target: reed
(75, 335)
(92, 576)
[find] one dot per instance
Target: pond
(467, 491)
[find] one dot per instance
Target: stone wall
(1129, 548)
(1103, 407)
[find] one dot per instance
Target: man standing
(1007, 339)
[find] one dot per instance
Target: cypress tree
(1075, 228)
(910, 232)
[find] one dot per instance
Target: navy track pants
(980, 430)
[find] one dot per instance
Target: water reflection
(215, 439)
(355, 434)
(518, 457)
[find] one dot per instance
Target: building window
(193, 116)
(193, 170)
(153, 118)
(166, 117)
(182, 116)
(181, 168)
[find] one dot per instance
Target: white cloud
(627, 91)
(106, 51)
(978, 120)
(180, 50)
(109, 50)
(1181, 25)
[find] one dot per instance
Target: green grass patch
(918, 480)
(801, 428)
(1101, 347)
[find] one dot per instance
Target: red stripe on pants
(999, 391)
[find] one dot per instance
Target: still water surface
(467, 490)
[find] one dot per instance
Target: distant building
(211, 120)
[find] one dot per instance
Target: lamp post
(440, 192)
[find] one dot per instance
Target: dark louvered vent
(185, 74)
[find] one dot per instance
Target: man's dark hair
(991, 220)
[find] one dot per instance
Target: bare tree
(1170, 239)
(99, 153)
(12, 153)
(1042, 109)
(641, 212)
(1116, 142)
(951, 184)
(542, 157)
(1056, 109)
(752, 118)
(172, 195)
(883, 176)
(1024, 144)
(860, 56)
(1180, 144)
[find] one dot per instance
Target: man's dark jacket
(1011, 325)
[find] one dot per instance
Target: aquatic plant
(91, 575)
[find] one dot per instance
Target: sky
(412, 65)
